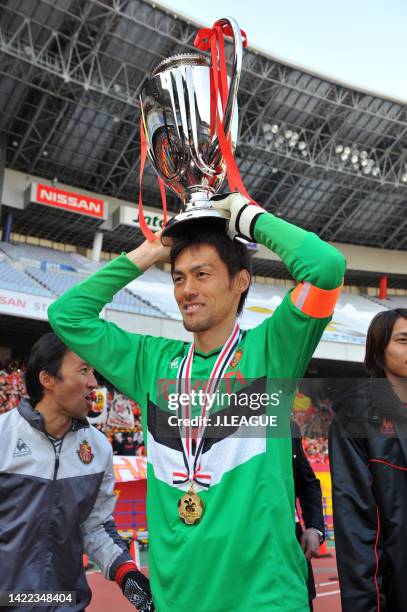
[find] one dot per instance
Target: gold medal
(190, 507)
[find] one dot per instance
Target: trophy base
(195, 220)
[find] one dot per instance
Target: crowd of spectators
(12, 387)
(314, 425)
(316, 449)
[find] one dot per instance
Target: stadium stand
(49, 273)
(12, 279)
(360, 303)
(28, 253)
(60, 281)
(393, 301)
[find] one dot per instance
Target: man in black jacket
(308, 493)
(368, 455)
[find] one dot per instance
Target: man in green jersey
(243, 554)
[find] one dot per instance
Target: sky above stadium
(360, 42)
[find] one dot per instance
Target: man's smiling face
(204, 292)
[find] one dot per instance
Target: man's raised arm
(297, 325)
(75, 315)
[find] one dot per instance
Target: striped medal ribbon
(190, 506)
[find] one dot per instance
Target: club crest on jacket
(85, 453)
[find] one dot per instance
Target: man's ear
(47, 380)
(243, 280)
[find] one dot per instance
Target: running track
(107, 596)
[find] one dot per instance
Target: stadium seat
(12, 279)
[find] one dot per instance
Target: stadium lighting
(301, 145)
(274, 128)
(304, 153)
(116, 119)
(404, 178)
(45, 153)
(359, 160)
(288, 134)
(267, 133)
(294, 139)
(15, 143)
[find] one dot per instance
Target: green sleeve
(307, 257)
(113, 352)
(291, 335)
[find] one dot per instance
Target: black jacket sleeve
(307, 486)
(355, 521)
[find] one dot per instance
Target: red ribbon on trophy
(206, 39)
(214, 39)
(148, 234)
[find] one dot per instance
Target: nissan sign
(67, 200)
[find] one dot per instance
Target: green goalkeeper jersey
(243, 556)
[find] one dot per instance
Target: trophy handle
(234, 79)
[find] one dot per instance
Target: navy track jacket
(54, 508)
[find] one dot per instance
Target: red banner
(68, 200)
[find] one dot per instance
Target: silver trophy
(176, 112)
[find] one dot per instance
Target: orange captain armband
(315, 302)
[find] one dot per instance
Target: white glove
(240, 213)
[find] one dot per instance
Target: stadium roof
(319, 153)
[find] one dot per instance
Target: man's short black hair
(46, 354)
(234, 254)
(378, 337)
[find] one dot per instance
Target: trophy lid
(181, 59)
